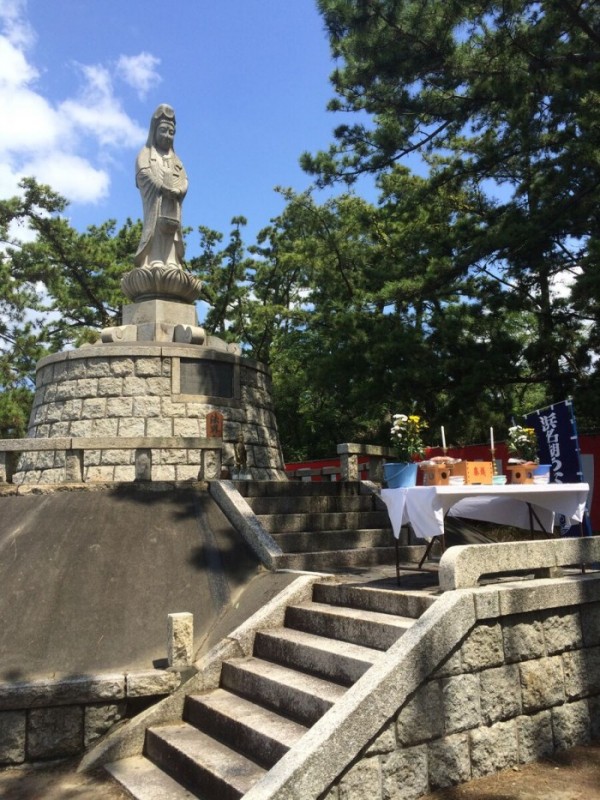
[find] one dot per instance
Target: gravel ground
(572, 775)
(58, 781)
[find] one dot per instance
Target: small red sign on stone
(214, 425)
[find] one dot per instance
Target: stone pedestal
(156, 376)
(137, 389)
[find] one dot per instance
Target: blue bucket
(543, 470)
(400, 475)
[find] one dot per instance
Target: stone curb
(165, 349)
(86, 689)
(23, 489)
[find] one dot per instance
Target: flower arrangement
(406, 436)
(522, 442)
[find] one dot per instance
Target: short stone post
(210, 466)
(349, 466)
(143, 464)
(180, 645)
(74, 466)
(376, 469)
(3, 467)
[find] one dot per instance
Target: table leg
(533, 515)
(427, 551)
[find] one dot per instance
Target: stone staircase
(322, 526)
(230, 737)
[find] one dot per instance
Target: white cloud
(16, 26)
(34, 124)
(139, 72)
(97, 112)
(14, 69)
(71, 176)
(66, 143)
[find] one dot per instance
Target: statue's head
(162, 128)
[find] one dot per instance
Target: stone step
(145, 781)
(255, 731)
(290, 504)
(342, 662)
(288, 523)
(329, 560)
(297, 488)
(388, 601)
(301, 697)
(314, 541)
(200, 763)
(368, 628)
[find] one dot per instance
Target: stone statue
(159, 272)
(161, 179)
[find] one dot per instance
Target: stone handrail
(74, 450)
(349, 454)
(462, 566)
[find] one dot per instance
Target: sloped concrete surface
(88, 576)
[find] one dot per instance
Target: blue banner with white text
(558, 445)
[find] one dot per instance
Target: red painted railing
(329, 468)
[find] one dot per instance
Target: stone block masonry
(486, 679)
(47, 719)
(515, 689)
(142, 390)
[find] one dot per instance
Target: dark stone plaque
(214, 425)
(205, 377)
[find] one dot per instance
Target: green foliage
(469, 294)
(58, 289)
(362, 309)
(500, 102)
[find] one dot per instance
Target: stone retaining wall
(46, 719)
(135, 390)
(485, 679)
(516, 689)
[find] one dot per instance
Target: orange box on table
(474, 471)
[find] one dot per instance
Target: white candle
(492, 438)
(443, 438)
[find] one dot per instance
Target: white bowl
(541, 478)
(456, 480)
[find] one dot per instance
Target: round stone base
(111, 391)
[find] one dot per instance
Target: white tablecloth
(426, 506)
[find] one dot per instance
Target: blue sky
(79, 80)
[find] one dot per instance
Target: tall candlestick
(443, 438)
(492, 438)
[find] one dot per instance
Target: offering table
(529, 506)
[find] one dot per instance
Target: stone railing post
(143, 464)
(180, 639)
(348, 462)
(210, 465)
(74, 466)
(376, 469)
(349, 454)
(8, 462)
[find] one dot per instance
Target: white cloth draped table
(425, 507)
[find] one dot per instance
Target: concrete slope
(88, 576)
